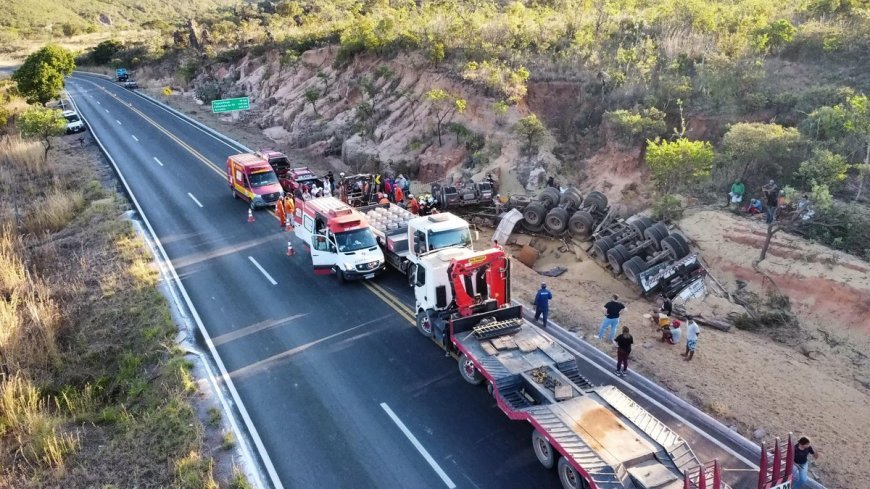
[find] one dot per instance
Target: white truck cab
(339, 239)
(437, 232)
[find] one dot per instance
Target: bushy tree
(311, 95)
(756, 152)
(823, 168)
(633, 127)
(105, 51)
(533, 133)
(40, 77)
(42, 123)
(679, 163)
(444, 105)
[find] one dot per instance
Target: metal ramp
(706, 476)
(776, 465)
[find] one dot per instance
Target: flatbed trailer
(390, 227)
(596, 436)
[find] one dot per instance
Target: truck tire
(518, 201)
(633, 268)
(673, 247)
(468, 371)
(657, 232)
(572, 197)
(569, 476)
(534, 213)
(543, 450)
(549, 197)
(600, 248)
(556, 220)
(678, 238)
(339, 274)
(424, 324)
(616, 256)
(641, 224)
(581, 224)
(596, 198)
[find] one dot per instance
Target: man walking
(802, 452)
(611, 318)
(623, 349)
(692, 332)
(771, 195)
(542, 303)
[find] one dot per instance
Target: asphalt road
(315, 362)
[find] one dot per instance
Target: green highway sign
(230, 104)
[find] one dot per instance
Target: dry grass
(54, 211)
(25, 156)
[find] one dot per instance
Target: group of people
(771, 203)
(285, 207)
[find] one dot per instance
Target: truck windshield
(262, 179)
(279, 162)
(451, 237)
(355, 240)
(72, 118)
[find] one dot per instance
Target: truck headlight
(349, 267)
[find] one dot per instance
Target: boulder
(359, 154)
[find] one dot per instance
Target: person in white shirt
(692, 333)
(327, 188)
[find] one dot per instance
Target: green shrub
(678, 164)
(668, 208)
(634, 127)
(823, 168)
(498, 79)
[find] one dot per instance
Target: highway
(339, 388)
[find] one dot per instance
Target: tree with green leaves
(533, 133)
(678, 163)
(42, 123)
(756, 152)
(444, 105)
(40, 77)
(103, 52)
(823, 168)
(311, 95)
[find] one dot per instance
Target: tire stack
(559, 213)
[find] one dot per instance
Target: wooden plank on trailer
(489, 347)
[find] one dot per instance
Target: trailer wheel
(519, 201)
(534, 213)
(633, 268)
(679, 239)
(581, 224)
(673, 247)
(556, 220)
(424, 324)
(543, 450)
(616, 256)
(569, 476)
(641, 224)
(657, 232)
(549, 197)
(596, 198)
(572, 197)
(601, 247)
(468, 371)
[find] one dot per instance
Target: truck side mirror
(476, 235)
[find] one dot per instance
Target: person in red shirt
(413, 205)
(399, 195)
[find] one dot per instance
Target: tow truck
(396, 229)
(339, 239)
(594, 436)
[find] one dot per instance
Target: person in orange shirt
(413, 205)
(280, 212)
(399, 194)
(289, 209)
(382, 199)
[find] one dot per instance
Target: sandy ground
(816, 383)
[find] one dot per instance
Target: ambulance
(339, 239)
(251, 178)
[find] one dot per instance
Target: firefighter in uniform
(280, 212)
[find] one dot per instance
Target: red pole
(789, 460)
(717, 475)
(702, 477)
(686, 480)
(762, 467)
(777, 462)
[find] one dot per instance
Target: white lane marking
(198, 203)
(158, 161)
(224, 375)
(98, 102)
(661, 406)
(119, 122)
(107, 110)
(263, 271)
(134, 137)
(418, 446)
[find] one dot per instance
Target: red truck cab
(251, 178)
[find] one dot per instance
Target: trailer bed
(602, 431)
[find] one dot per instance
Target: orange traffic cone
(250, 216)
(290, 250)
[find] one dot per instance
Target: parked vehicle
(121, 74)
(74, 123)
(253, 180)
(594, 436)
(131, 85)
(339, 238)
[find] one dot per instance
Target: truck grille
(364, 267)
(273, 197)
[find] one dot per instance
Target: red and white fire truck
(339, 238)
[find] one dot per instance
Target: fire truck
(396, 229)
(339, 239)
(594, 436)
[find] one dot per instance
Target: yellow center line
(410, 311)
(392, 302)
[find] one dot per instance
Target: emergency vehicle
(252, 179)
(339, 238)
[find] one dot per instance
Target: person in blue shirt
(542, 303)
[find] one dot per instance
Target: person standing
(771, 195)
(327, 188)
(542, 303)
(280, 212)
(388, 188)
(735, 196)
(802, 451)
(398, 194)
(692, 333)
(289, 209)
(623, 349)
(413, 205)
(611, 318)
